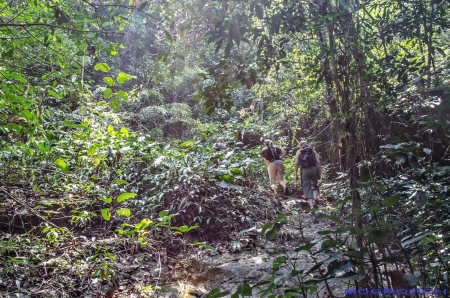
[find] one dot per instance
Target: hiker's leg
(315, 190)
(306, 186)
(280, 175)
(272, 176)
(282, 183)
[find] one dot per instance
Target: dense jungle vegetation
(109, 186)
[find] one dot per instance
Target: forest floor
(251, 264)
(86, 263)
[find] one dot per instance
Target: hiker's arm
(283, 153)
(296, 170)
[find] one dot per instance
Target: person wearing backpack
(308, 160)
(273, 157)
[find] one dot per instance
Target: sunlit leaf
(123, 77)
(106, 214)
(54, 94)
(125, 196)
(107, 93)
(114, 103)
(122, 94)
(124, 212)
(61, 164)
(102, 67)
(121, 182)
(109, 81)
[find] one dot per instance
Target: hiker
(308, 160)
(219, 145)
(272, 156)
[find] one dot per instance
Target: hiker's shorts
(310, 177)
(276, 171)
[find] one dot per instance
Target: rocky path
(229, 270)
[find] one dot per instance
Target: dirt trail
(227, 271)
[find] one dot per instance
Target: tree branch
(55, 26)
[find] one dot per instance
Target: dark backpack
(306, 158)
(269, 156)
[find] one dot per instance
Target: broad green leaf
(373, 208)
(14, 260)
(102, 67)
(245, 290)
(278, 262)
(216, 293)
(415, 239)
(187, 144)
(227, 178)
(111, 256)
(183, 229)
(114, 103)
(110, 128)
(18, 77)
(306, 247)
(122, 94)
(389, 202)
(61, 164)
(271, 234)
(109, 81)
(106, 214)
(236, 171)
(107, 93)
(341, 266)
(143, 5)
(121, 182)
(163, 213)
(107, 200)
(54, 94)
(168, 36)
(123, 77)
(124, 212)
(28, 115)
(125, 196)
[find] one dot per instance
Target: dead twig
(31, 210)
